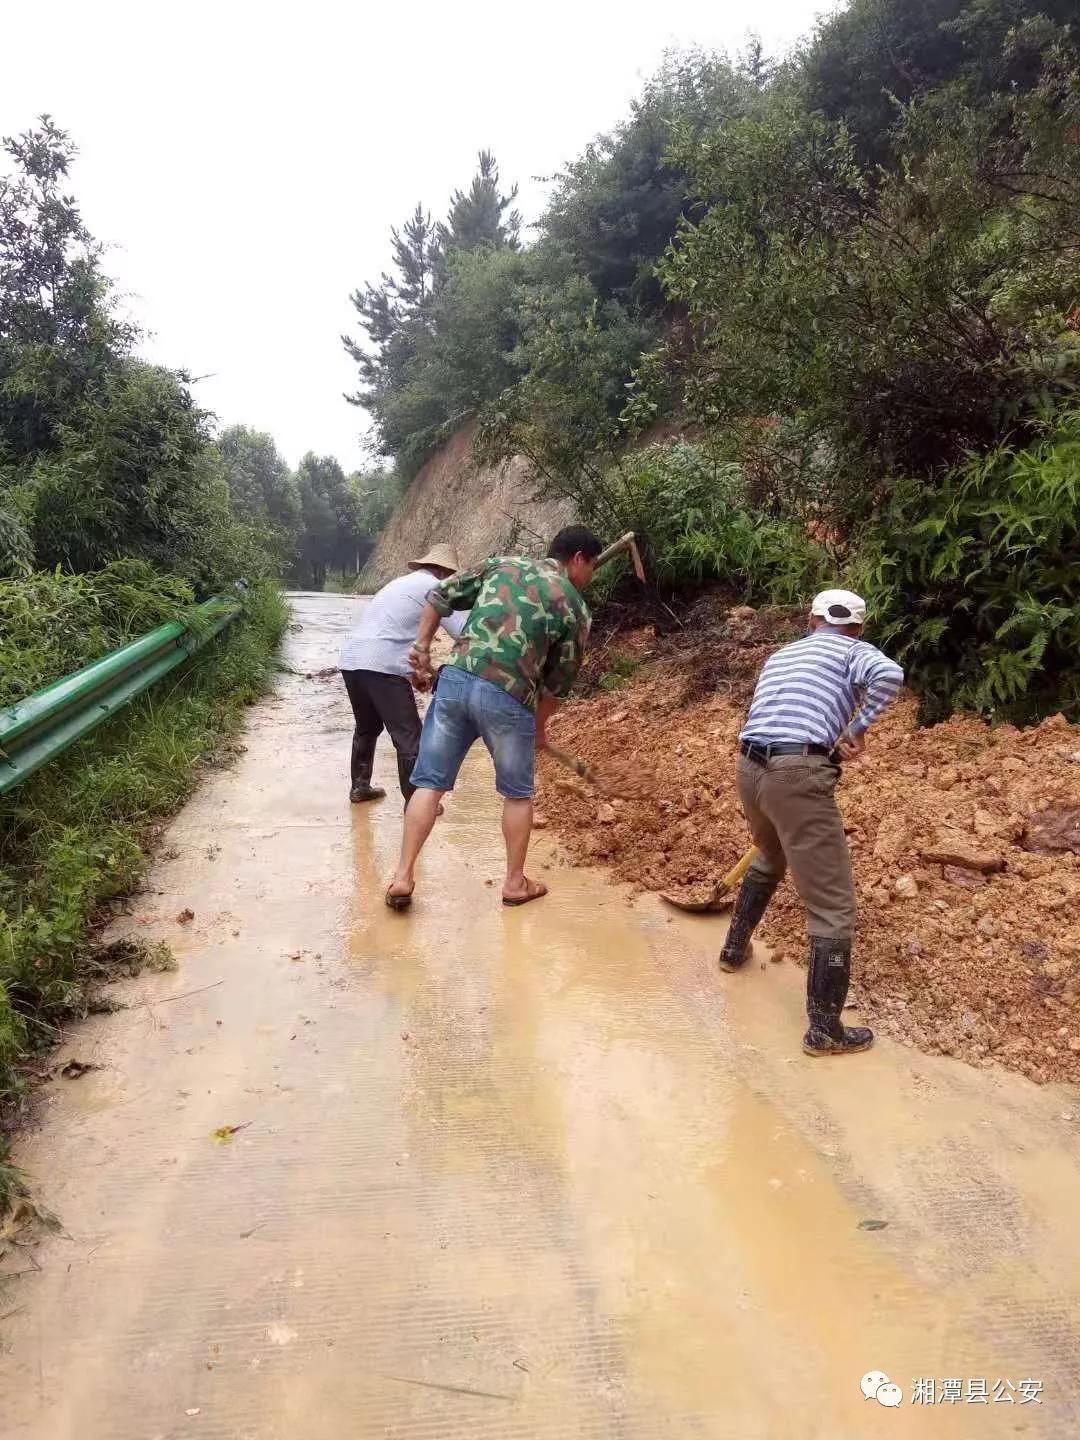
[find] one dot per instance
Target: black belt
(762, 754)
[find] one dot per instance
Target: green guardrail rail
(45, 724)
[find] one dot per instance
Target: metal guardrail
(45, 724)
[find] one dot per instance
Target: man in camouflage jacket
(516, 658)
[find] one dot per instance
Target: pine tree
(479, 218)
(404, 316)
(396, 313)
(416, 249)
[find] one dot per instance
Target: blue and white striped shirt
(810, 692)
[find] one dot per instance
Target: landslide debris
(964, 840)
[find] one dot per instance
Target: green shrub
(575, 357)
(52, 623)
(688, 505)
(898, 319)
(977, 582)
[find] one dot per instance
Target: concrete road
(534, 1173)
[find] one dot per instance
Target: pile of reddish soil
(964, 841)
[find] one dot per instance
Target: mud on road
(481, 1173)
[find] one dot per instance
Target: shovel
(613, 785)
(721, 896)
(571, 762)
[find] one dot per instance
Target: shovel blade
(723, 892)
(714, 904)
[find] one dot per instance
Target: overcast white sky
(246, 161)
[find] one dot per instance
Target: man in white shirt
(375, 668)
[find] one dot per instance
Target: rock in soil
(950, 847)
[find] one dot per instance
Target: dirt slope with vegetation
(480, 509)
(965, 839)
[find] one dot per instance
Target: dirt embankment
(964, 839)
(480, 510)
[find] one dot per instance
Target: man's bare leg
(517, 818)
(420, 814)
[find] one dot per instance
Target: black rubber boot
(755, 892)
(826, 990)
(359, 793)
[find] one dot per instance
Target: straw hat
(444, 556)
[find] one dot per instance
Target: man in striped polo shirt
(814, 702)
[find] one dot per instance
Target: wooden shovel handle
(736, 873)
(627, 542)
(571, 762)
(615, 548)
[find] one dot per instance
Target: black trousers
(382, 702)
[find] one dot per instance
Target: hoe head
(626, 544)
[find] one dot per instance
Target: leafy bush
(690, 508)
(976, 585)
(898, 318)
(868, 56)
(71, 835)
(52, 623)
(575, 357)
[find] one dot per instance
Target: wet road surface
(506, 1173)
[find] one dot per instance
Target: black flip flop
(527, 899)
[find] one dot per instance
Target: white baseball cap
(839, 607)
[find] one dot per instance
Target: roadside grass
(20, 1213)
(12, 1187)
(76, 835)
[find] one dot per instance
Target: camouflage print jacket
(527, 628)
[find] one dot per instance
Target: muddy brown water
(534, 1173)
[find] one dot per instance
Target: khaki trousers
(790, 806)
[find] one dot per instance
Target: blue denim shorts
(466, 708)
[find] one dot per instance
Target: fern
(977, 583)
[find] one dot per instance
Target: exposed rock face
(480, 511)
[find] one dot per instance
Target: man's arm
(880, 679)
(545, 709)
(458, 592)
(420, 650)
(560, 671)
